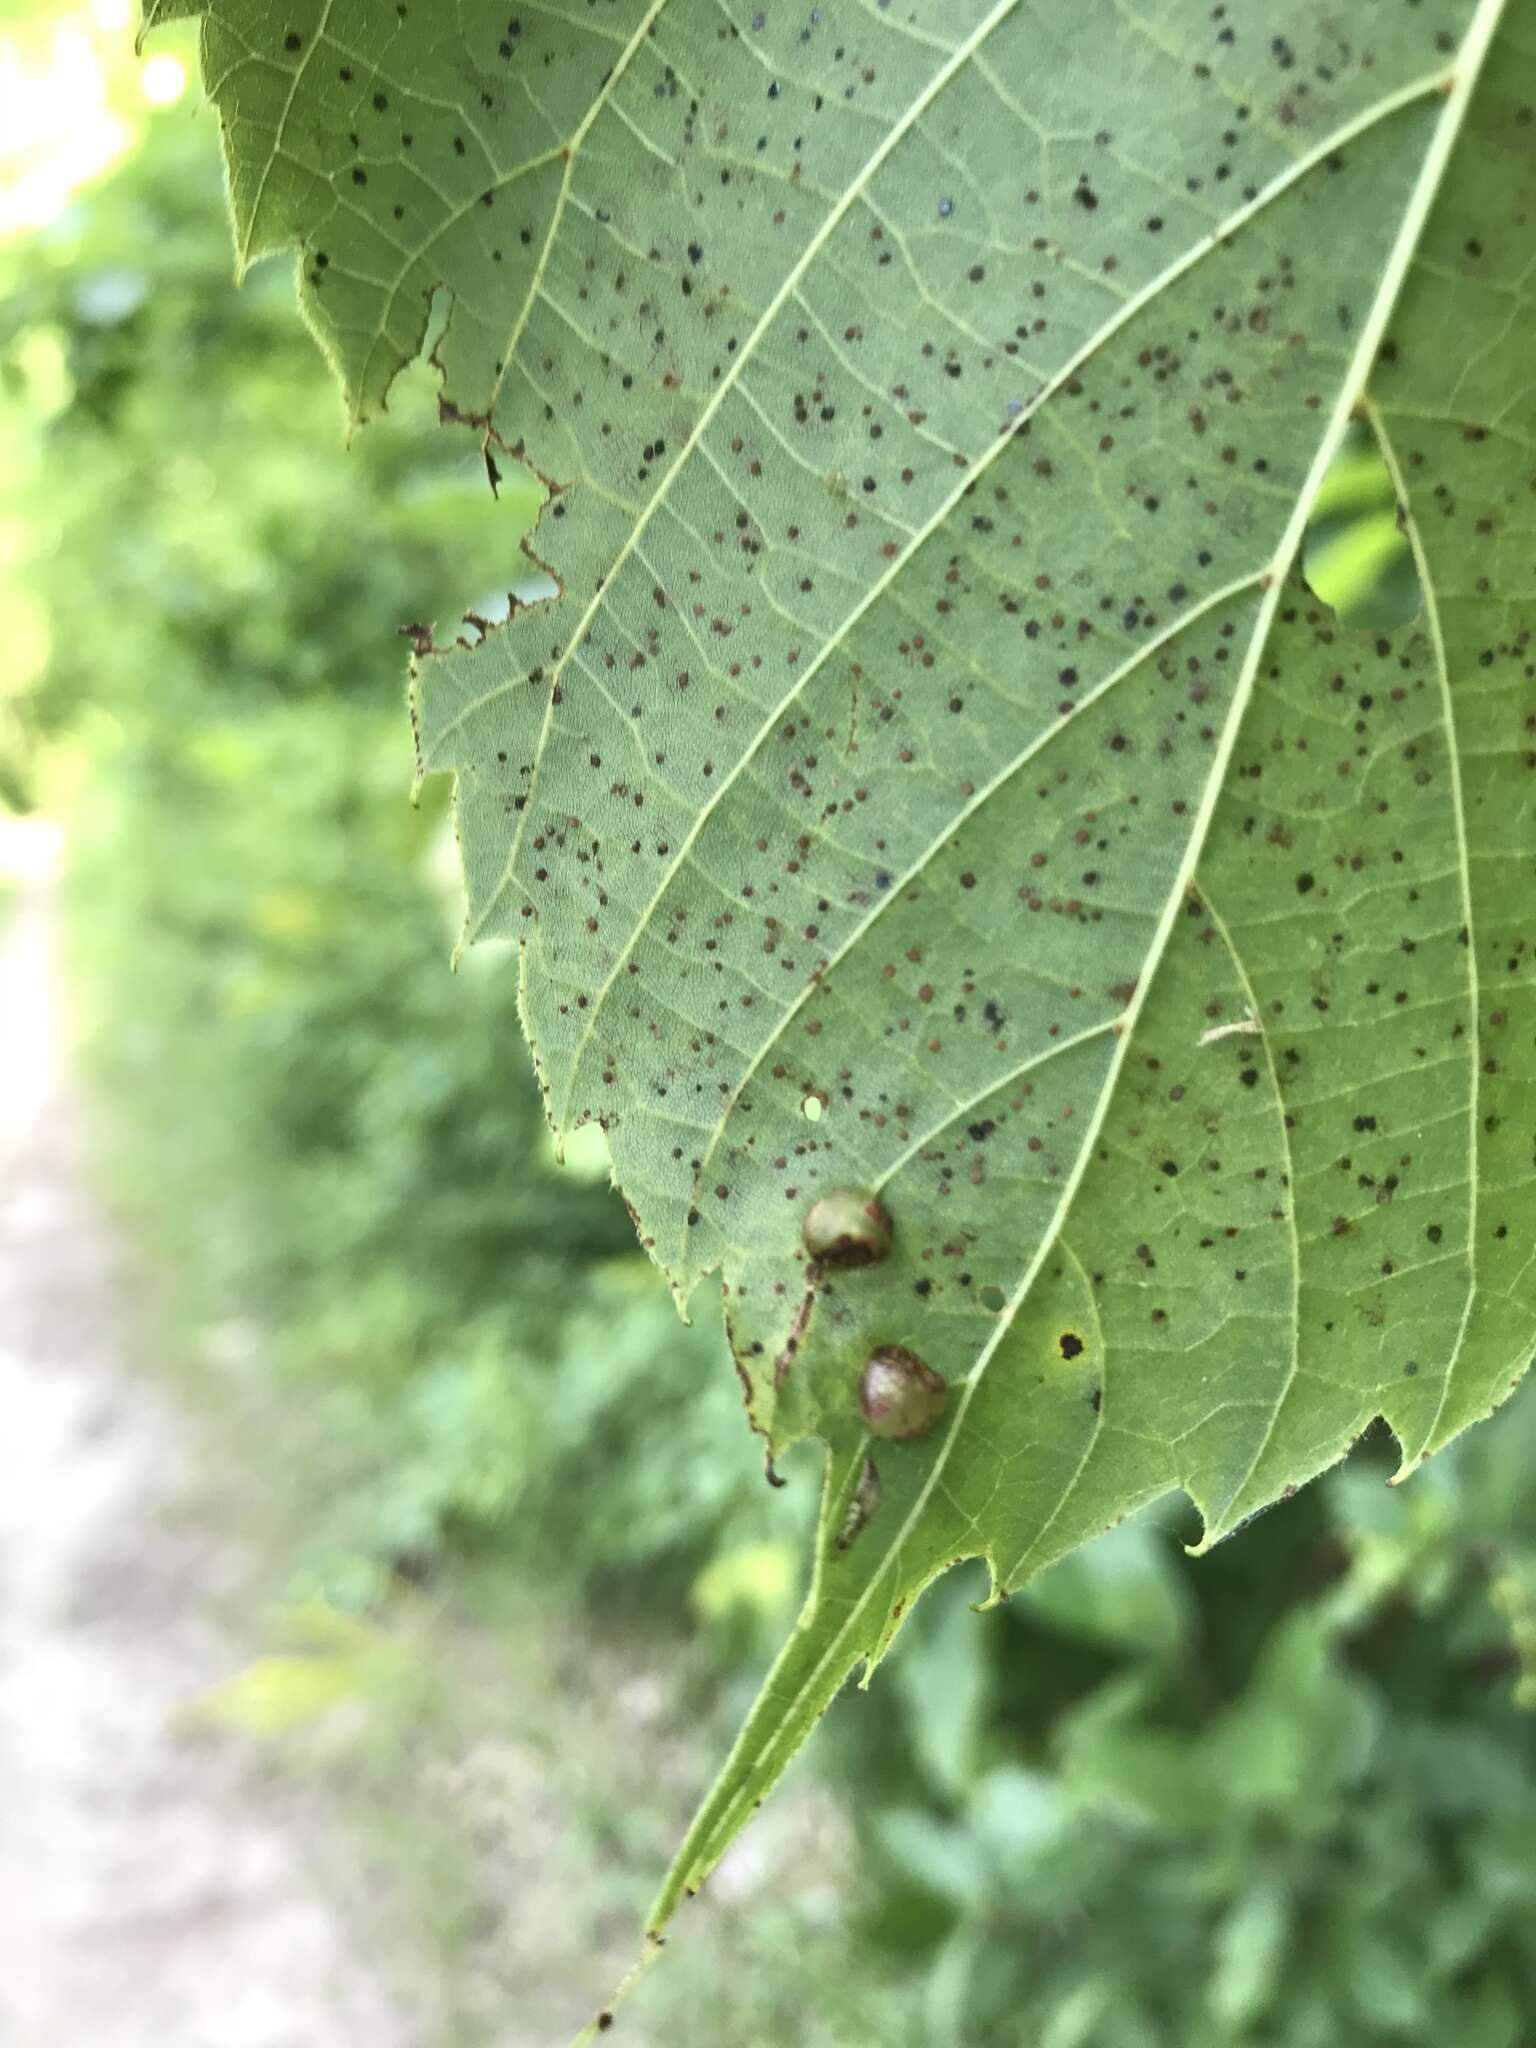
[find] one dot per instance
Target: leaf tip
(603, 2019)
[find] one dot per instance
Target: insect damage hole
(1357, 557)
(811, 1107)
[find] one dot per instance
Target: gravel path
(156, 1890)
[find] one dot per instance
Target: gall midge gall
(899, 1395)
(847, 1227)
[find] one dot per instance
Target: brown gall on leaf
(899, 1394)
(847, 1227)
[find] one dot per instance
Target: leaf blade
(918, 463)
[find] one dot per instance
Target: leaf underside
(932, 774)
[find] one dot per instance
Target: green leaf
(944, 1859)
(945, 1679)
(1020, 1816)
(1383, 1980)
(1112, 1755)
(1121, 1590)
(949, 1991)
(1249, 1954)
(931, 775)
(1303, 1729)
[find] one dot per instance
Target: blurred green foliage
(342, 1138)
(1285, 1795)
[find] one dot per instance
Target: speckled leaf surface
(933, 774)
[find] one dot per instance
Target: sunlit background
(499, 1567)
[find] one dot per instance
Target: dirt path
(155, 1890)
